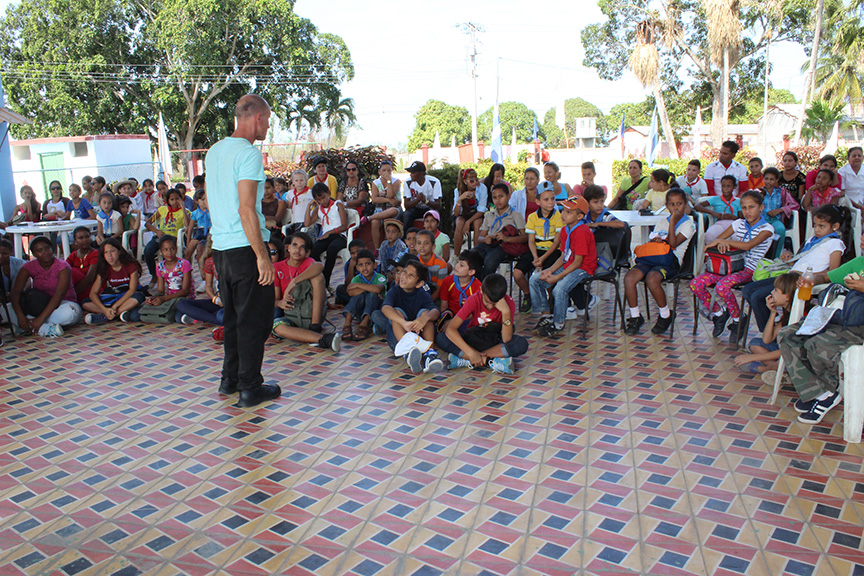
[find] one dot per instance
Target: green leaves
(437, 116)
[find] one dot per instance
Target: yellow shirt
(173, 224)
(331, 183)
(537, 226)
(657, 199)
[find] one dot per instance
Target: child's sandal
(362, 333)
(347, 334)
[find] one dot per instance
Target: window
(79, 149)
(21, 152)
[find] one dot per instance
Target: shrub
(808, 156)
(367, 157)
(677, 165)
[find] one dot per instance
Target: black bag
(852, 314)
(622, 202)
(483, 337)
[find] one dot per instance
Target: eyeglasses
(273, 252)
(56, 188)
(350, 169)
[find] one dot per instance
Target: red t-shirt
(285, 272)
(479, 314)
(579, 241)
(810, 180)
(84, 264)
(452, 294)
(119, 278)
(210, 267)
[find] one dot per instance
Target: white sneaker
(593, 302)
(184, 319)
(50, 330)
(574, 313)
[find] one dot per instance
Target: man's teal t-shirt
(227, 162)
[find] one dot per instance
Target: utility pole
(473, 30)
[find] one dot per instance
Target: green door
(52, 169)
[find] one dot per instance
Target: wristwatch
(507, 322)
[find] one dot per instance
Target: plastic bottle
(805, 289)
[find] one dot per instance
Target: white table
(636, 220)
(43, 228)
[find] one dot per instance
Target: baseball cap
(417, 166)
(576, 203)
(434, 214)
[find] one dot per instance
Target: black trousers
(331, 245)
(248, 316)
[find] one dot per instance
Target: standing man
(235, 187)
(422, 193)
(726, 166)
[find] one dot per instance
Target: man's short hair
(494, 287)
(732, 146)
(249, 105)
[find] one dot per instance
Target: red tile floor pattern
(604, 455)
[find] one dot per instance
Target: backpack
(158, 314)
(605, 258)
(724, 264)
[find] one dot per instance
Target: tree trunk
(725, 93)
(717, 117)
(668, 134)
(811, 70)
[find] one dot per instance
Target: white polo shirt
(715, 171)
(853, 184)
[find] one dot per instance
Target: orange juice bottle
(805, 288)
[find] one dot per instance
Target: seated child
(487, 338)
(821, 192)
(724, 208)
(83, 262)
(542, 228)
(578, 261)
(751, 233)
(300, 293)
(114, 293)
(169, 220)
(409, 308)
(658, 184)
(392, 248)
(654, 269)
(598, 215)
(108, 221)
(777, 205)
(330, 215)
(130, 219)
(764, 351)
(281, 187)
(174, 277)
(198, 228)
(469, 207)
(492, 232)
(298, 199)
(207, 310)
(431, 221)
(366, 290)
(755, 180)
(436, 267)
(342, 298)
(410, 238)
(459, 286)
(589, 172)
(147, 201)
(273, 208)
(694, 186)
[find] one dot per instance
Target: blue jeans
(363, 304)
(560, 292)
(201, 310)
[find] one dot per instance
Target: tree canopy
(446, 120)
(511, 114)
(573, 108)
(79, 67)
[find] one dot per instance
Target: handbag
(770, 269)
(513, 248)
(158, 313)
(724, 264)
(622, 203)
(652, 249)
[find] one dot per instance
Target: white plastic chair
(127, 239)
(794, 231)
(353, 224)
(851, 363)
(795, 315)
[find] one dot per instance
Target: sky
(406, 52)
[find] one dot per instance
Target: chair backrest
(689, 262)
(618, 240)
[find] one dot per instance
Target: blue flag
(652, 146)
(534, 133)
(497, 154)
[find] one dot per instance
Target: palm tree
(724, 40)
(819, 119)
(645, 64)
(840, 74)
(300, 111)
(339, 114)
(809, 83)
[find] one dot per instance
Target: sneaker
(188, 320)
(432, 363)
(633, 325)
(259, 394)
(219, 334)
(49, 330)
(733, 328)
(803, 407)
(332, 340)
(501, 365)
(93, 318)
(414, 359)
(593, 302)
(454, 361)
(662, 324)
(819, 409)
(525, 307)
(544, 321)
(574, 313)
(719, 323)
(124, 316)
(549, 331)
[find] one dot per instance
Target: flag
(697, 132)
(164, 152)
(497, 154)
(652, 146)
(833, 140)
(534, 132)
(621, 135)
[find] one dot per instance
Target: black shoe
(227, 387)
(544, 321)
(733, 329)
(663, 323)
(719, 323)
(259, 394)
(633, 325)
(525, 307)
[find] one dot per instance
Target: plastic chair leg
(674, 310)
(781, 368)
(852, 362)
(695, 314)
(647, 303)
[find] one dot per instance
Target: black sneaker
(803, 407)
(544, 321)
(332, 340)
(227, 387)
(733, 329)
(259, 394)
(549, 331)
(525, 307)
(663, 323)
(719, 323)
(633, 325)
(819, 409)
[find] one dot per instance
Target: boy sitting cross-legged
(409, 308)
(481, 333)
(577, 261)
(459, 286)
(365, 291)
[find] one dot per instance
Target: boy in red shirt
(481, 333)
(577, 262)
(456, 288)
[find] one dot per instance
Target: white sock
(664, 312)
(718, 313)
(824, 396)
(734, 319)
(635, 312)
